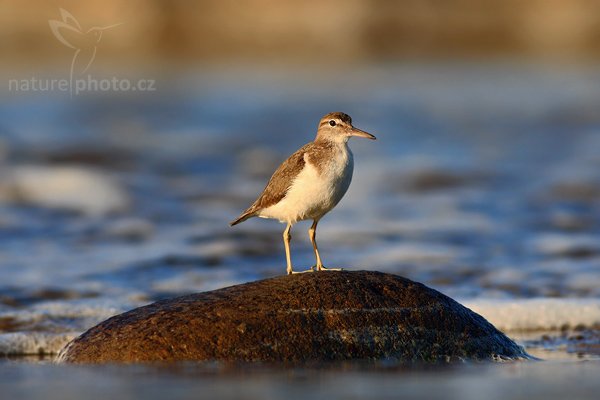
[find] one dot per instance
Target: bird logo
(85, 43)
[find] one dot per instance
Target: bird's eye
(332, 123)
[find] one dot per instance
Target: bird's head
(337, 127)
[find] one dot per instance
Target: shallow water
(558, 380)
(484, 184)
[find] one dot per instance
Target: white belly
(314, 194)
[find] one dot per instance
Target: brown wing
(278, 185)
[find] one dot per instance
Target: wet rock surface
(306, 317)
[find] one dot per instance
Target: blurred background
(132, 132)
(193, 34)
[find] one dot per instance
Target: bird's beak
(357, 132)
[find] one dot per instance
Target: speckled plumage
(319, 155)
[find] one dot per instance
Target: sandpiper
(310, 182)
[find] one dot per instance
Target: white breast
(315, 191)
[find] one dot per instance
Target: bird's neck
(337, 140)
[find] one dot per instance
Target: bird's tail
(245, 215)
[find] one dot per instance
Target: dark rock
(317, 316)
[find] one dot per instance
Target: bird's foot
(292, 272)
(322, 268)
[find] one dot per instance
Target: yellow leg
(312, 234)
(287, 236)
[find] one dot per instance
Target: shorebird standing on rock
(310, 182)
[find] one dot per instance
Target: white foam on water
(83, 308)
(537, 314)
(74, 188)
(31, 343)
(47, 327)
(554, 243)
